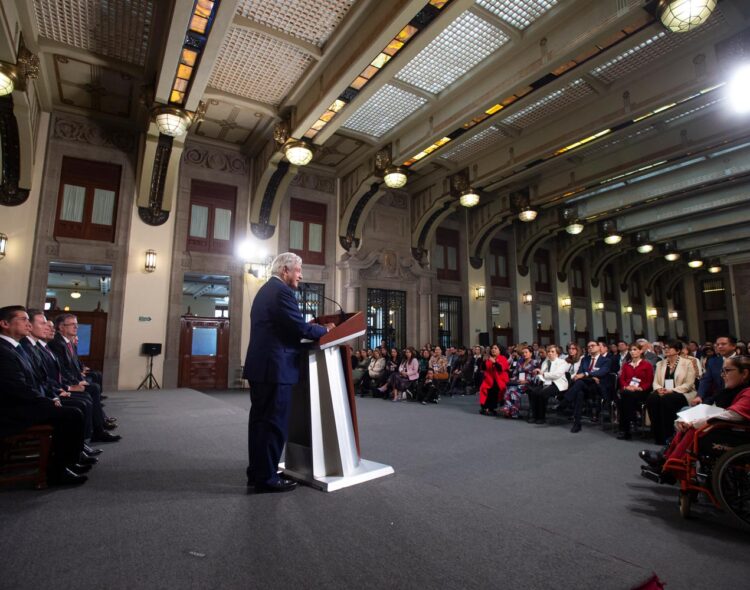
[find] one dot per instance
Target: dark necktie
(593, 362)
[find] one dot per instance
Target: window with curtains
(577, 286)
(446, 254)
(211, 214)
(87, 200)
(307, 225)
(497, 261)
(542, 280)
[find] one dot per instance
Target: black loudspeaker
(484, 338)
(151, 348)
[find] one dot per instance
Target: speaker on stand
(150, 349)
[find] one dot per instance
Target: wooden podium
(323, 445)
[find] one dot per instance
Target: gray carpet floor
(476, 502)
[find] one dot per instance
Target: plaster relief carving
(91, 132)
(314, 182)
(214, 159)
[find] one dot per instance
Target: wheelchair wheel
(731, 482)
(686, 503)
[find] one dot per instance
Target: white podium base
(365, 471)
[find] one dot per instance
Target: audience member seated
(673, 389)
(362, 362)
(23, 402)
(495, 383)
(521, 375)
(424, 362)
(735, 398)
(428, 391)
(474, 369)
(375, 373)
(439, 366)
(407, 374)
(553, 382)
(711, 382)
(595, 367)
(636, 378)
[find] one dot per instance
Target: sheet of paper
(699, 412)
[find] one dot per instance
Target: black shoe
(67, 478)
(91, 452)
(84, 459)
(105, 436)
(79, 469)
(109, 426)
(653, 458)
(576, 427)
(624, 436)
(282, 485)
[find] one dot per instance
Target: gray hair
(288, 260)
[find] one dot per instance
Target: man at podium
(272, 368)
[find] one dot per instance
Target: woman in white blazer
(552, 382)
(673, 388)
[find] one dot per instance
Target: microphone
(341, 313)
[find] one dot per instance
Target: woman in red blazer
(495, 381)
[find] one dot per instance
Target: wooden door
(204, 346)
(92, 335)
(502, 336)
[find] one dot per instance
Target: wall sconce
(566, 302)
(674, 315)
(628, 309)
(652, 312)
(527, 298)
(3, 245)
(150, 260)
(479, 292)
(599, 306)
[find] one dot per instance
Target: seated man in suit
(593, 372)
(272, 368)
(711, 384)
(23, 403)
(66, 326)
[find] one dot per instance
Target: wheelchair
(717, 465)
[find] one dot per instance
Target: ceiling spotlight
(574, 228)
(8, 79)
(394, 177)
(681, 16)
(739, 89)
(694, 260)
(171, 121)
(469, 198)
(645, 248)
(298, 152)
(527, 214)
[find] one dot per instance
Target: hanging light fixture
(527, 213)
(645, 248)
(670, 252)
(574, 228)
(394, 177)
(8, 78)
(681, 16)
(694, 259)
(75, 294)
(150, 260)
(171, 121)
(611, 235)
(469, 198)
(714, 267)
(570, 221)
(298, 152)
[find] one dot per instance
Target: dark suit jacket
(50, 386)
(711, 382)
(71, 373)
(276, 327)
(22, 401)
(602, 367)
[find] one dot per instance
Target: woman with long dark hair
(495, 381)
(407, 374)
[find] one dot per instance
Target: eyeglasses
(728, 370)
(71, 324)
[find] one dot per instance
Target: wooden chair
(24, 456)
